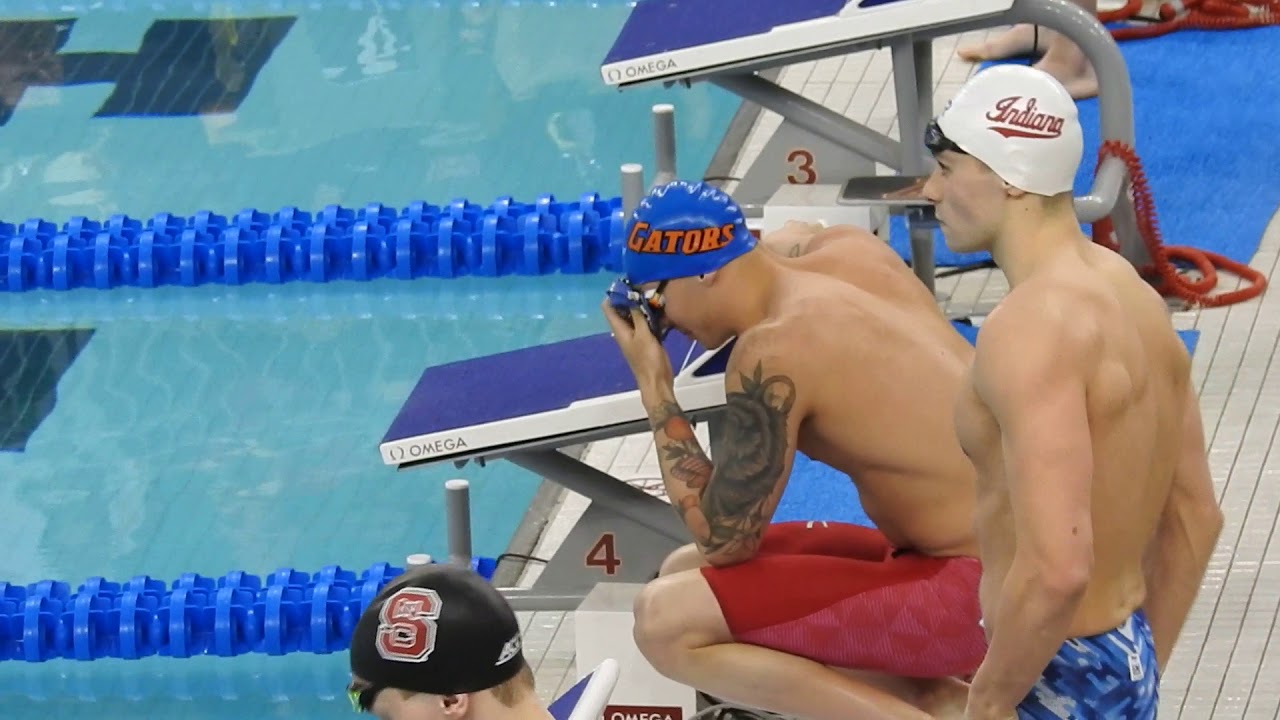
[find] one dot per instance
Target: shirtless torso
(860, 371)
(1136, 377)
(884, 418)
(1076, 417)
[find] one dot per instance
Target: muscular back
(1115, 332)
(880, 366)
(857, 256)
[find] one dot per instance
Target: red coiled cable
(1162, 271)
(1194, 15)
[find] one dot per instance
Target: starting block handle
(664, 143)
(457, 503)
(632, 188)
(1115, 93)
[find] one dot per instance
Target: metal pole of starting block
(664, 143)
(457, 503)
(632, 188)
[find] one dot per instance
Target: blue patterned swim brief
(1112, 676)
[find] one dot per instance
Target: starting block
(524, 406)
(602, 626)
(865, 202)
(739, 44)
(819, 204)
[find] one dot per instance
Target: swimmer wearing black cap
(441, 643)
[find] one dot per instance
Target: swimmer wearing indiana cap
(441, 643)
(1096, 509)
(842, 354)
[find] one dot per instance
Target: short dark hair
(509, 693)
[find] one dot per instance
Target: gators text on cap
(684, 229)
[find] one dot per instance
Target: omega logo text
(421, 450)
(640, 71)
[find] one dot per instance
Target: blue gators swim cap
(681, 230)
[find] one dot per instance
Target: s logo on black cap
(407, 625)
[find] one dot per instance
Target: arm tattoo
(726, 506)
(678, 447)
(795, 251)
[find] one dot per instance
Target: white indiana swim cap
(1022, 123)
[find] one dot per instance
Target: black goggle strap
(936, 141)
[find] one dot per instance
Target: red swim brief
(843, 596)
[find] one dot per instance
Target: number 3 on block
(604, 554)
(804, 173)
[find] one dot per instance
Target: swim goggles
(362, 700)
(624, 296)
(936, 141)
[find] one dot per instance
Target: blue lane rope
(286, 612)
(506, 237)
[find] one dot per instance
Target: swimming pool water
(215, 429)
(204, 688)
(352, 103)
(248, 441)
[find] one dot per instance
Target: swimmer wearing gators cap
(1098, 510)
(842, 354)
(441, 643)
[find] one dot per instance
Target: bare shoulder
(853, 240)
(1124, 278)
(761, 369)
(765, 343)
(1041, 309)
(1040, 329)
(1145, 307)
(857, 256)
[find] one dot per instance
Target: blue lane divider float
(286, 612)
(337, 243)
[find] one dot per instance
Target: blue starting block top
(664, 40)
(479, 407)
(547, 394)
(544, 395)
